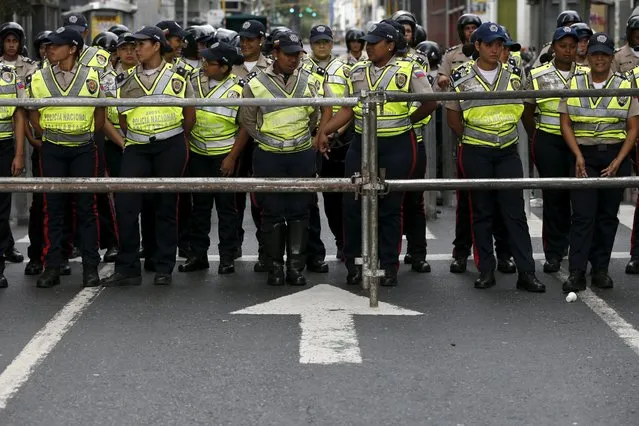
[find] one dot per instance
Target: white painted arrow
(328, 332)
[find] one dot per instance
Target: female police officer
(283, 137)
(154, 146)
(216, 143)
(67, 149)
(488, 132)
(396, 142)
(600, 132)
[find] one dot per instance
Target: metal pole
(429, 133)
(524, 154)
(365, 178)
(185, 21)
(373, 195)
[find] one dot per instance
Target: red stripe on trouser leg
(94, 207)
(470, 208)
(633, 239)
(45, 228)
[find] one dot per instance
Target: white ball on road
(572, 296)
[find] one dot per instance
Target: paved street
(177, 355)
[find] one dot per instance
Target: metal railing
(370, 184)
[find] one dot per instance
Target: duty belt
(142, 138)
(492, 138)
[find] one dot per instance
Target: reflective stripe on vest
(601, 117)
(215, 126)
(150, 124)
(395, 119)
(491, 123)
(70, 126)
(283, 128)
(8, 90)
(548, 77)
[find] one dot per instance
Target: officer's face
(582, 47)
(634, 38)
(322, 49)
(127, 56)
(490, 52)
(468, 30)
(288, 62)
(176, 44)
(250, 47)
(565, 50)
(381, 51)
(59, 52)
(43, 51)
(146, 50)
(600, 63)
(215, 71)
(355, 46)
(505, 54)
(11, 45)
(408, 33)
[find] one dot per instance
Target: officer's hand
(580, 167)
(611, 170)
(228, 166)
(443, 81)
(36, 143)
(17, 165)
(323, 143)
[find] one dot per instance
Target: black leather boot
(49, 278)
(226, 266)
(552, 265)
(485, 280)
(601, 279)
(13, 255)
(419, 264)
(110, 255)
(296, 251)
(390, 277)
(90, 277)
(632, 267)
(274, 246)
(317, 266)
(33, 268)
(506, 266)
(529, 282)
(354, 276)
(575, 282)
(408, 259)
(194, 263)
(458, 266)
(3, 280)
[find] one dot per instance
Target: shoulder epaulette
(461, 71)
(250, 76)
(450, 49)
(513, 69)
(28, 60)
(617, 49)
(547, 44)
(181, 71)
(321, 71)
(121, 77)
(618, 74)
(7, 68)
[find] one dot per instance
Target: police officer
(12, 134)
(216, 143)
(396, 143)
(355, 47)
(627, 57)
(409, 22)
(283, 137)
(40, 48)
(67, 150)
(154, 140)
(584, 33)
(454, 57)
(252, 38)
(489, 150)
(91, 56)
(108, 41)
(551, 155)
(175, 37)
(564, 19)
(194, 41)
(601, 133)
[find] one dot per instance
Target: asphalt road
(176, 355)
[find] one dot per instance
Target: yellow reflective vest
(95, 57)
(395, 118)
(490, 123)
(547, 77)
(284, 128)
(215, 126)
(70, 126)
(148, 124)
(600, 117)
(8, 90)
(335, 75)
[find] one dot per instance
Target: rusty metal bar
(516, 94)
(531, 183)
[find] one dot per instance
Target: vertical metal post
(429, 133)
(365, 176)
(185, 18)
(373, 196)
(525, 162)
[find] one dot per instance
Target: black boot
(33, 268)
(390, 277)
(296, 251)
(506, 266)
(13, 255)
(408, 259)
(226, 266)
(110, 255)
(458, 266)
(317, 266)
(632, 267)
(419, 264)
(262, 264)
(552, 265)
(575, 282)
(195, 263)
(274, 246)
(529, 282)
(601, 279)
(354, 276)
(90, 277)
(119, 279)
(3, 280)
(65, 268)
(49, 278)
(485, 280)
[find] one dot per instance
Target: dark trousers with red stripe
(480, 162)
(413, 211)
(463, 231)
(594, 211)
(165, 158)
(397, 154)
(203, 202)
(66, 161)
(7, 153)
(634, 238)
(553, 159)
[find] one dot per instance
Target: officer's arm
(19, 122)
(632, 130)
(529, 119)
(122, 120)
(569, 135)
(455, 121)
(189, 120)
(340, 119)
(247, 116)
(34, 119)
(99, 116)
(112, 133)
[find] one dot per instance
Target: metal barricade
(370, 184)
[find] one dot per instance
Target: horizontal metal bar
(516, 94)
(176, 185)
(532, 183)
(170, 101)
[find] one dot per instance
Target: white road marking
(328, 331)
(22, 367)
(535, 226)
(626, 215)
(620, 326)
(24, 240)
